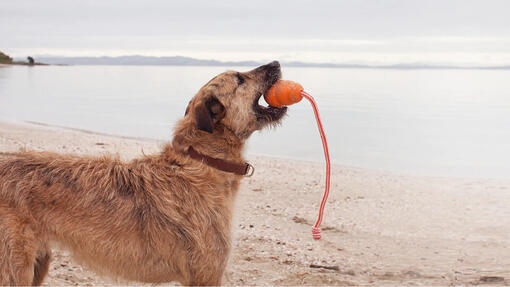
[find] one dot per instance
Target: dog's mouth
(268, 113)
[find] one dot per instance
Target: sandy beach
(379, 228)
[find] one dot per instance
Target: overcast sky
(395, 31)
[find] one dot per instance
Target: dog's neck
(221, 144)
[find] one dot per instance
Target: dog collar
(245, 169)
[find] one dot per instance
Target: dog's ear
(187, 109)
(207, 113)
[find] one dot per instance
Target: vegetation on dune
(4, 59)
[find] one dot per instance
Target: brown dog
(159, 218)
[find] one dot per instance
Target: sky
(455, 32)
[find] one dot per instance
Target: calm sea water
(425, 122)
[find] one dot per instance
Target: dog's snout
(274, 64)
(273, 72)
(267, 75)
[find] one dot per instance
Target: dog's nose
(271, 68)
(274, 64)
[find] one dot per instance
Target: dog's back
(136, 220)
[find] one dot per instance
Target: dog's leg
(209, 272)
(42, 264)
(17, 248)
(208, 279)
(5, 271)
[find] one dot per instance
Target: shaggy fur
(159, 218)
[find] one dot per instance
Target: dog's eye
(240, 79)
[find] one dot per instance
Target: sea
(432, 122)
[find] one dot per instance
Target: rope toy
(284, 93)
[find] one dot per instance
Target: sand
(379, 228)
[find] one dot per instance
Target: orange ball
(283, 93)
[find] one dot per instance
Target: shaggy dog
(159, 218)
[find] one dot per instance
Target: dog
(158, 218)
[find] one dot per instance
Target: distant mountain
(140, 60)
(409, 66)
(188, 61)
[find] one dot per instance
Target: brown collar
(245, 169)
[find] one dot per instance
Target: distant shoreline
(497, 68)
(24, 64)
(137, 60)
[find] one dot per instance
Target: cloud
(321, 31)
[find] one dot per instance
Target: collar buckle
(250, 170)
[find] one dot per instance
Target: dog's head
(231, 100)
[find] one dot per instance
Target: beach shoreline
(379, 228)
(301, 161)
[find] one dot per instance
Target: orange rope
(316, 232)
